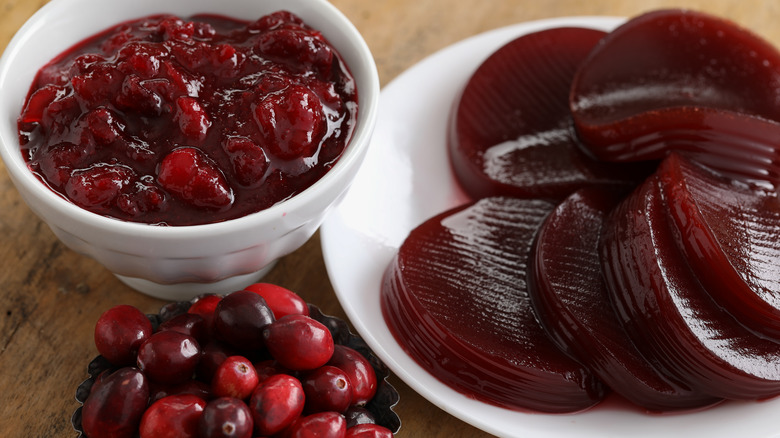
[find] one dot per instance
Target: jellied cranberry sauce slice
(455, 298)
(511, 129)
(667, 312)
(682, 80)
(570, 298)
(729, 234)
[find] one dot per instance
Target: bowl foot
(187, 291)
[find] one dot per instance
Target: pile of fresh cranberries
(254, 363)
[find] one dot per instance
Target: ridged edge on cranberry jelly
(511, 132)
(570, 298)
(667, 313)
(728, 233)
(520, 381)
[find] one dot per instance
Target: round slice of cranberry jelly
(686, 81)
(174, 121)
(455, 299)
(570, 298)
(667, 313)
(511, 131)
(728, 232)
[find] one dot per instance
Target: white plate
(406, 179)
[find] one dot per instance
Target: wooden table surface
(51, 297)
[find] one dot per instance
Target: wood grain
(51, 297)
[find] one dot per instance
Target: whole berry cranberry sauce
(169, 121)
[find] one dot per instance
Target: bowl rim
(368, 98)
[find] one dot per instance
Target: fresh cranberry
(114, 407)
(282, 301)
(212, 355)
(235, 377)
(276, 403)
(369, 431)
(191, 176)
(175, 416)
(356, 415)
(292, 122)
(239, 319)
(361, 374)
(189, 324)
(299, 342)
(98, 187)
(204, 306)
(119, 333)
(226, 418)
(193, 387)
(327, 389)
(269, 367)
(319, 425)
(169, 357)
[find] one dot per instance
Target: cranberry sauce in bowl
(201, 169)
(175, 121)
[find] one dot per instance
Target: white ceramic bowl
(176, 263)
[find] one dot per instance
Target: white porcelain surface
(157, 260)
(406, 179)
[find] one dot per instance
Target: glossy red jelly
(511, 129)
(667, 312)
(686, 81)
(570, 298)
(455, 298)
(729, 234)
(170, 121)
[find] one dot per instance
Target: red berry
(299, 342)
(327, 389)
(114, 407)
(213, 353)
(192, 118)
(361, 374)
(250, 163)
(276, 403)
(299, 48)
(282, 301)
(169, 357)
(98, 186)
(369, 431)
(319, 425)
(119, 333)
(189, 324)
(205, 306)
(239, 319)
(193, 387)
(292, 122)
(235, 377)
(358, 415)
(268, 368)
(226, 418)
(175, 416)
(103, 125)
(37, 103)
(191, 176)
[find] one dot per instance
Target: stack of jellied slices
(623, 233)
